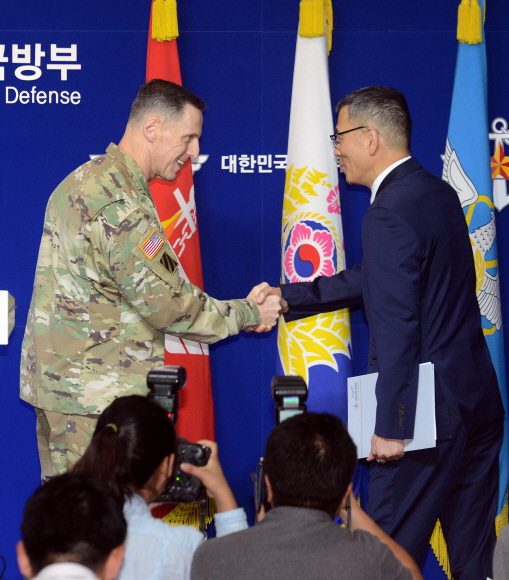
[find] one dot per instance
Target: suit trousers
(456, 482)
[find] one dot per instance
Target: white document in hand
(362, 411)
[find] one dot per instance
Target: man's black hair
(132, 436)
(72, 518)
(310, 460)
(162, 98)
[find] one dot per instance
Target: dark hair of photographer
(310, 460)
(72, 518)
(132, 437)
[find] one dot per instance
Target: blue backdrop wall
(238, 57)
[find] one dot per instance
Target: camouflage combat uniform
(106, 291)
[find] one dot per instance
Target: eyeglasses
(335, 140)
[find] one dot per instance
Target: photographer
(133, 450)
(309, 462)
(72, 527)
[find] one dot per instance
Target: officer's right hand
(269, 314)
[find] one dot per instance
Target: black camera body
(164, 383)
(183, 487)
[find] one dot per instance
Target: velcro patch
(142, 227)
(168, 263)
(152, 244)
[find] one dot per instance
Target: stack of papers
(362, 411)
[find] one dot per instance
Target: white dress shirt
(383, 175)
(66, 571)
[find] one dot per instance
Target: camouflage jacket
(106, 290)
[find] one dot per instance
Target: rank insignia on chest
(152, 244)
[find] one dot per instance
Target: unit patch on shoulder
(152, 244)
(168, 263)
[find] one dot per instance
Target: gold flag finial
(164, 20)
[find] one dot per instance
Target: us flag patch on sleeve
(152, 244)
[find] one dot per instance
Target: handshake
(270, 304)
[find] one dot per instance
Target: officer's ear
(151, 128)
(373, 140)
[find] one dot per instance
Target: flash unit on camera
(164, 382)
(289, 393)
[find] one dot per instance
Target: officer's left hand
(384, 450)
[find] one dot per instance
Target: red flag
(177, 210)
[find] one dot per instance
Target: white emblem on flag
(176, 345)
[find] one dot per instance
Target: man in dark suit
(417, 287)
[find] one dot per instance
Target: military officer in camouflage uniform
(107, 286)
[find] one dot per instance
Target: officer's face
(176, 141)
(351, 149)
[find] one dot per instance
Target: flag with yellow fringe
(467, 168)
(175, 202)
(176, 206)
(318, 348)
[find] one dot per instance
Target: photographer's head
(309, 462)
(132, 448)
(73, 518)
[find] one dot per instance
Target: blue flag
(467, 168)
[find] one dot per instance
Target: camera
(183, 487)
(164, 383)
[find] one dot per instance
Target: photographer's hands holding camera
(271, 305)
(212, 477)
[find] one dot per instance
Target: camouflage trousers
(62, 440)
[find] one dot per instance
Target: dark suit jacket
(417, 287)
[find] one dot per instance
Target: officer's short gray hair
(385, 110)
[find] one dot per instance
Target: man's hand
(384, 450)
(269, 303)
(262, 294)
(256, 290)
(266, 290)
(212, 477)
(354, 511)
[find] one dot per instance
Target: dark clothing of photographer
(309, 463)
(297, 543)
